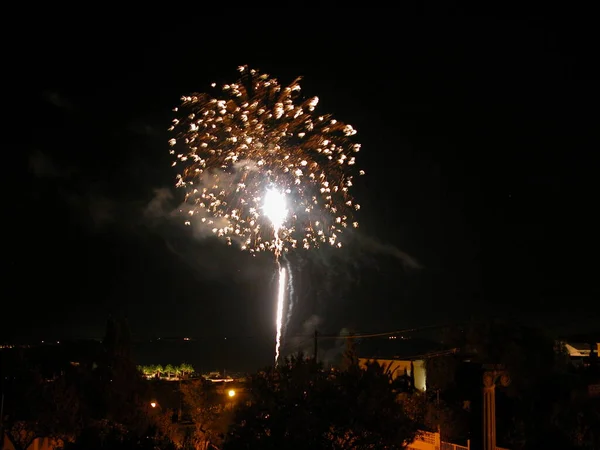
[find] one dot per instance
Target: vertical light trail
(275, 209)
(280, 301)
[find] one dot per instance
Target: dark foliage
(299, 405)
(77, 403)
(109, 435)
(544, 406)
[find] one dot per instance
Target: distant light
(153, 404)
(231, 393)
(186, 339)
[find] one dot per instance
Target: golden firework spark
(256, 138)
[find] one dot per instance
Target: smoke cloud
(303, 342)
(370, 245)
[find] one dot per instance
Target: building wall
(397, 368)
(37, 444)
(431, 441)
(580, 349)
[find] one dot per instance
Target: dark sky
(478, 138)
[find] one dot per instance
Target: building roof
(395, 347)
(593, 336)
(579, 346)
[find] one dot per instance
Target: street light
(231, 393)
(153, 404)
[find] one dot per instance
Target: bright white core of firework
(275, 207)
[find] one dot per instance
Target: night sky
(478, 140)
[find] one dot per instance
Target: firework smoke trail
(256, 144)
(290, 287)
(280, 302)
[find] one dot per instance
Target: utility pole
(316, 345)
(2, 414)
(494, 374)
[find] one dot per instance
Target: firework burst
(258, 151)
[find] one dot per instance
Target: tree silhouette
(538, 408)
(206, 408)
(186, 369)
(104, 435)
(102, 398)
(36, 408)
(299, 405)
(169, 369)
(115, 390)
